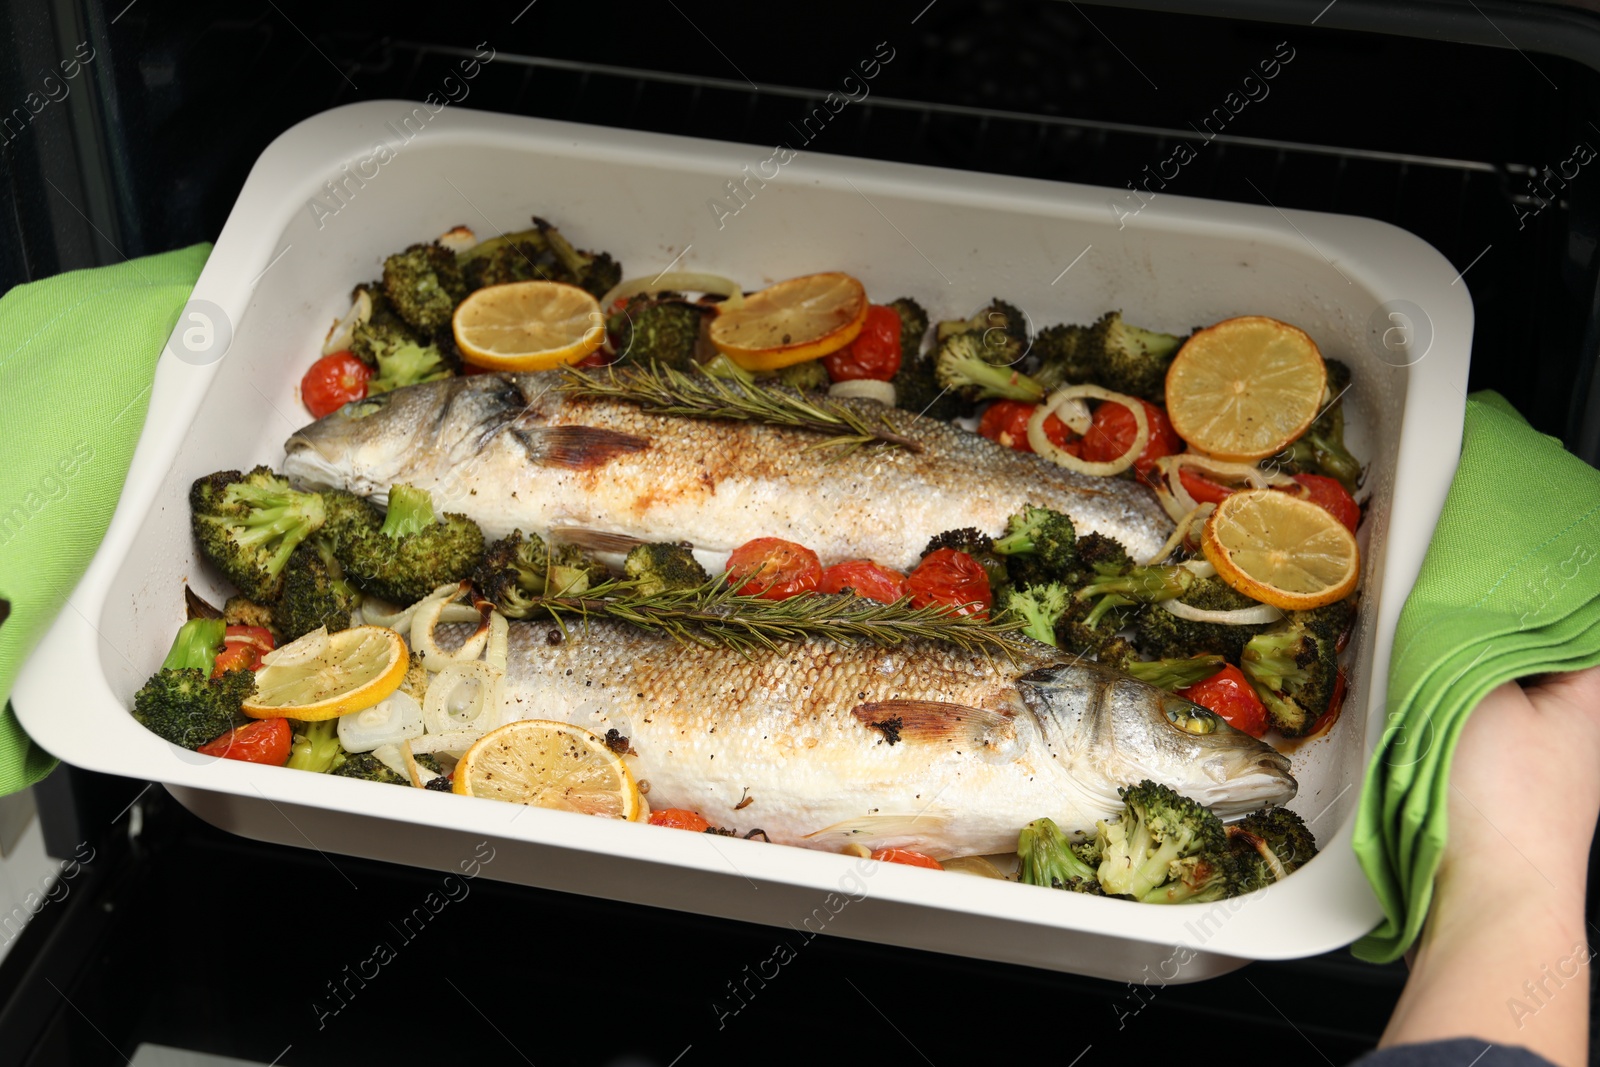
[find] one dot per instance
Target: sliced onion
(1185, 523)
(396, 718)
(866, 389)
(429, 614)
(459, 240)
(1075, 413)
(390, 757)
(982, 866)
(463, 697)
(382, 613)
(1050, 450)
(1249, 473)
(344, 331)
(679, 281)
(454, 743)
(499, 640)
(307, 648)
(1200, 568)
(1258, 615)
(420, 776)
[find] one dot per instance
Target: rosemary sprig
(701, 396)
(714, 615)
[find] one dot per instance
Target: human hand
(1526, 779)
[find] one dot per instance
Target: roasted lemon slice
(527, 325)
(550, 764)
(792, 321)
(1281, 550)
(323, 675)
(1245, 388)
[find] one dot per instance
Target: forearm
(1508, 951)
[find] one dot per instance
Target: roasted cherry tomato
(907, 857)
(875, 353)
(332, 382)
(679, 819)
(262, 741)
(1112, 432)
(258, 636)
(871, 580)
(1006, 421)
(236, 656)
(954, 579)
(773, 568)
(1230, 694)
(1203, 489)
(1329, 495)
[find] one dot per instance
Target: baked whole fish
(922, 746)
(511, 451)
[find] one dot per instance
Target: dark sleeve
(1458, 1052)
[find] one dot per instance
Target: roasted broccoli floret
(1000, 328)
(1048, 859)
(368, 768)
(1161, 633)
(808, 377)
(250, 524)
(182, 702)
(242, 611)
(347, 517)
(384, 331)
(916, 385)
(1090, 627)
(978, 545)
(424, 285)
(1041, 607)
(1165, 848)
(1144, 585)
(1321, 449)
(663, 329)
(1174, 674)
(316, 746)
(188, 707)
(1294, 666)
(541, 253)
(1269, 845)
(1046, 535)
(974, 371)
(1110, 353)
(519, 567)
(409, 364)
(315, 592)
(657, 568)
(413, 552)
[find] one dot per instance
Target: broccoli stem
(1145, 584)
(1175, 673)
(317, 747)
(1160, 345)
(1106, 604)
(1000, 382)
(197, 645)
(410, 510)
(1270, 659)
(1048, 860)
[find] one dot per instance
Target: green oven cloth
(77, 358)
(1510, 588)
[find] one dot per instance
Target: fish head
(1129, 731)
(368, 445)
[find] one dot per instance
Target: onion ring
(1050, 450)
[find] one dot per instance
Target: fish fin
(925, 721)
(578, 448)
(595, 540)
(883, 831)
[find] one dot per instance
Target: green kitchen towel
(77, 358)
(1510, 588)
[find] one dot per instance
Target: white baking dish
(283, 268)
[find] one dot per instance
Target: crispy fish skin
(510, 451)
(925, 747)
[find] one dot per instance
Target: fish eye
(1191, 718)
(360, 409)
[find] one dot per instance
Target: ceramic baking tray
(335, 194)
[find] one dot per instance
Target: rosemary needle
(700, 396)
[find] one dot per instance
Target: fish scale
(511, 452)
(921, 746)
